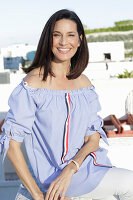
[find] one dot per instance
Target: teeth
(64, 50)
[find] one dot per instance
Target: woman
(54, 109)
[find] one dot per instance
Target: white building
(103, 51)
(1, 63)
(16, 50)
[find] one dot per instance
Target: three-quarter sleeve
(19, 119)
(95, 121)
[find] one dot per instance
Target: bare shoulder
(33, 79)
(84, 81)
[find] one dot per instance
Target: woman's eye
(71, 35)
(56, 35)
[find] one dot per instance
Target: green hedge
(124, 23)
(128, 55)
(109, 29)
(110, 37)
(128, 45)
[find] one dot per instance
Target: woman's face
(65, 40)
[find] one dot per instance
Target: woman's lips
(63, 51)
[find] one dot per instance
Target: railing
(115, 127)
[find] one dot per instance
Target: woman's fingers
(59, 186)
(55, 193)
(67, 198)
(63, 194)
(49, 191)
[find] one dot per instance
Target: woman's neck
(60, 69)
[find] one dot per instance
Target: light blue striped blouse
(53, 124)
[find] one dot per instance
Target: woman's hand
(40, 196)
(59, 186)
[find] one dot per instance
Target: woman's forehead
(66, 25)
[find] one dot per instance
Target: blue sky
(21, 21)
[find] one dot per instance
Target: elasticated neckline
(58, 92)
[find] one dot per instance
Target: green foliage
(128, 45)
(128, 55)
(124, 23)
(126, 74)
(110, 37)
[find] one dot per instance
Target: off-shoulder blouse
(53, 124)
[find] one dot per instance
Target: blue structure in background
(13, 62)
(30, 55)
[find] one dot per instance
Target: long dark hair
(44, 55)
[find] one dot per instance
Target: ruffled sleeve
(20, 117)
(95, 121)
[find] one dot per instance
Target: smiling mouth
(63, 51)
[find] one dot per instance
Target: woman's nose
(63, 40)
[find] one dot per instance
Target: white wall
(1, 63)
(112, 95)
(98, 70)
(97, 50)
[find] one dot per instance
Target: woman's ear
(80, 39)
(81, 36)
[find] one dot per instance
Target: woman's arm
(91, 143)
(62, 182)
(15, 155)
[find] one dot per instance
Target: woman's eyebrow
(56, 32)
(60, 32)
(71, 32)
